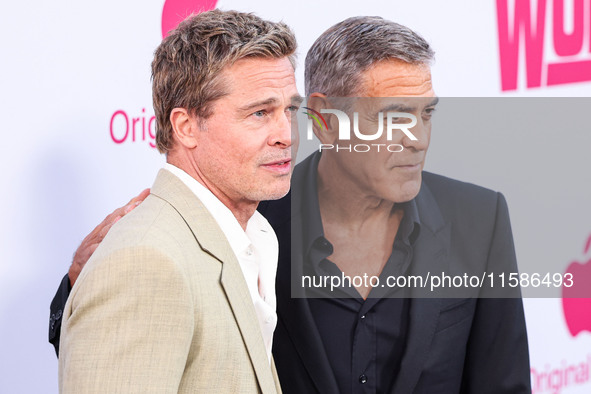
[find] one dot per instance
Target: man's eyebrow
(396, 108)
(399, 107)
(297, 99)
(261, 103)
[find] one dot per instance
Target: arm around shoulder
(56, 311)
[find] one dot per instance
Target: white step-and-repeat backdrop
(76, 113)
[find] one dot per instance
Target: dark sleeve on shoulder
(497, 358)
(56, 311)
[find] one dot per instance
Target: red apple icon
(174, 11)
(576, 300)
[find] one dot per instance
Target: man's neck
(345, 203)
(242, 209)
(361, 227)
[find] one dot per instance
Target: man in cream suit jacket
(179, 297)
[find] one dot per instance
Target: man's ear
(326, 133)
(185, 127)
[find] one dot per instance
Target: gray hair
(341, 54)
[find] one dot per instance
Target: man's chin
(277, 194)
(407, 191)
(272, 193)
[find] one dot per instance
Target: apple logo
(576, 300)
(174, 11)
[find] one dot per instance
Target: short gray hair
(341, 54)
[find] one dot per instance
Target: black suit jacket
(467, 345)
(470, 345)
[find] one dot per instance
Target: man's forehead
(396, 78)
(254, 72)
(251, 84)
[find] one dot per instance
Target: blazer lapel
(430, 254)
(212, 240)
(243, 308)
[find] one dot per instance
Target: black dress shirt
(363, 339)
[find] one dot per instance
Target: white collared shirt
(256, 250)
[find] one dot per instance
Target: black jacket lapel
(430, 254)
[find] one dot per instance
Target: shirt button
(322, 242)
(270, 319)
(249, 251)
(363, 379)
(363, 317)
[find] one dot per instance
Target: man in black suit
(381, 215)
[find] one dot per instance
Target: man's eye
(260, 114)
(428, 112)
(293, 108)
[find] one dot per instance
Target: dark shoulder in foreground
(458, 189)
(448, 188)
(454, 197)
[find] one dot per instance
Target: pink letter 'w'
(509, 43)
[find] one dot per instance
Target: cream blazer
(162, 307)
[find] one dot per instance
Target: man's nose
(282, 131)
(422, 132)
